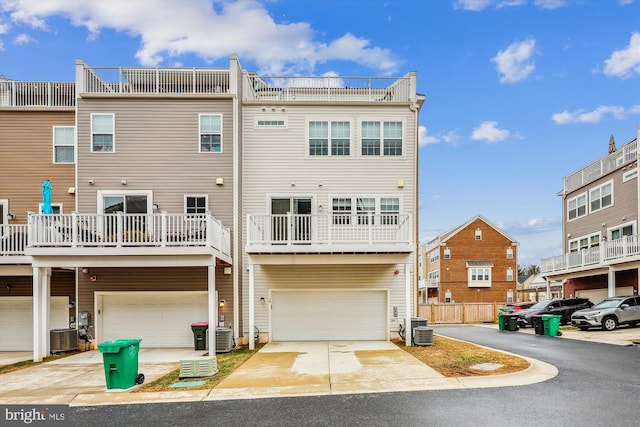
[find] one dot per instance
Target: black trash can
(538, 324)
(200, 335)
(510, 322)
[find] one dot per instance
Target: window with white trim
(56, 208)
(584, 242)
(381, 138)
(195, 204)
(434, 255)
(601, 197)
(389, 210)
(210, 127)
(341, 210)
(509, 253)
(378, 210)
(509, 274)
(102, 133)
(479, 276)
(478, 234)
(629, 175)
(63, 144)
(329, 138)
(621, 231)
(271, 123)
(510, 295)
(577, 207)
(447, 253)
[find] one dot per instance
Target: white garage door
(597, 295)
(161, 319)
(329, 315)
(16, 321)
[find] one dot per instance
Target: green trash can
(501, 321)
(200, 335)
(551, 325)
(538, 324)
(120, 358)
(511, 322)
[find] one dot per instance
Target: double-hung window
(210, 133)
(366, 208)
(102, 132)
(63, 144)
(479, 276)
(584, 242)
(195, 204)
(341, 209)
(329, 138)
(577, 207)
(381, 138)
(601, 197)
(389, 210)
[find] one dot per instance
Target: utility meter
(84, 319)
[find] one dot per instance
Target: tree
(528, 270)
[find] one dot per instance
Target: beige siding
(157, 148)
(625, 205)
(26, 159)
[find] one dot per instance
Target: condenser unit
(415, 322)
(224, 340)
(63, 340)
(204, 366)
(423, 336)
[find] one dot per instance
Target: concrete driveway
(60, 381)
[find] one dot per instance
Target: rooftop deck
(37, 94)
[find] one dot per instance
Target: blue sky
(519, 93)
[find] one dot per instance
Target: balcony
(37, 94)
(429, 283)
(329, 233)
(123, 234)
(626, 249)
(330, 89)
(13, 244)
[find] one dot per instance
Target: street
(598, 385)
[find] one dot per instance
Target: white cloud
(549, 4)
(581, 116)
(23, 39)
(474, 5)
(515, 63)
(424, 139)
(488, 131)
(210, 29)
(625, 62)
(533, 225)
(625, 2)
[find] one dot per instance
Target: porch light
(222, 303)
(123, 182)
(11, 216)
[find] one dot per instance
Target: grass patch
(227, 363)
(29, 363)
(453, 358)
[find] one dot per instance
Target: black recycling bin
(200, 335)
(538, 324)
(510, 322)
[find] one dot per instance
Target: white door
(329, 315)
(16, 321)
(161, 319)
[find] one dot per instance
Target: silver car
(609, 313)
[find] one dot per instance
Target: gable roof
(448, 234)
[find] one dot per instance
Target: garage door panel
(329, 315)
(161, 321)
(16, 321)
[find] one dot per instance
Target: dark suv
(559, 306)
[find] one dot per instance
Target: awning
(479, 263)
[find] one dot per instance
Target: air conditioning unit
(415, 322)
(204, 366)
(63, 340)
(423, 336)
(224, 340)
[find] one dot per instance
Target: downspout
(235, 73)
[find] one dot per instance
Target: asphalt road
(597, 385)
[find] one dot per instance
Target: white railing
(121, 230)
(618, 250)
(13, 239)
(37, 94)
(329, 89)
(118, 80)
(328, 229)
(625, 154)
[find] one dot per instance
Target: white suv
(609, 313)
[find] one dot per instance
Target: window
(629, 175)
(509, 274)
(601, 197)
(478, 234)
(447, 253)
(56, 207)
(341, 209)
(434, 255)
(577, 207)
(102, 133)
(366, 208)
(388, 142)
(323, 135)
(210, 133)
(63, 144)
(447, 297)
(278, 122)
(479, 277)
(510, 295)
(509, 253)
(195, 205)
(389, 210)
(624, 230)
(584, 242)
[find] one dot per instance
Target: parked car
(609, 313)
(564, 307)
(516, 306)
